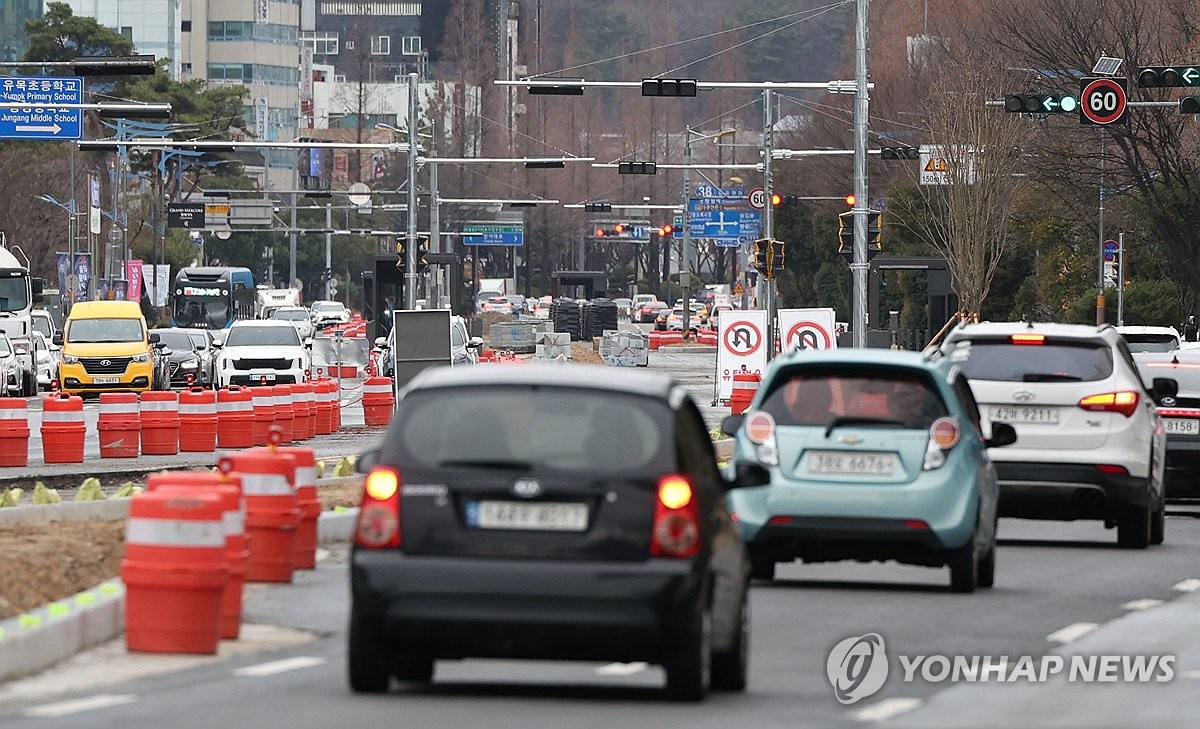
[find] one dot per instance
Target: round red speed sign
(1103, 101)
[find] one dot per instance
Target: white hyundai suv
(262, 352)
(1090, 444)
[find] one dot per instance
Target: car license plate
(1022, 414)
(1182, 426)
(106, 380)
(269, 376)
(553, 517)
(851, 463)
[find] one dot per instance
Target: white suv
(261, 352)
(1090, 444)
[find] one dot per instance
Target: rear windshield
(1050, 362)
(1151, 342)
(810, 396)
(249, 336)
(534, 429)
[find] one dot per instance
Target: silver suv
(1090, 444)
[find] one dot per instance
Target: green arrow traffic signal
(1040, 103)
(1168, 76)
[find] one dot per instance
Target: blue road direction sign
(41, 119)
(493, 235)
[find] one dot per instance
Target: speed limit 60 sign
(1103, 100)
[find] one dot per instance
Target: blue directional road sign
(493, 235)
(41, 119)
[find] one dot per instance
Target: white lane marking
(622, 669)
(1144, 603)
(77, 706)
(1191, 674)
(1191, 584)
(283, 666)
(886, 709)
(1074, 631)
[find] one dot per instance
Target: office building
(13, 14)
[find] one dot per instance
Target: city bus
(210, 297)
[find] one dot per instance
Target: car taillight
(1028, 339)
(1124, 402)
(943, 435)
(1112, 469)
(378, 524)
(676, 530)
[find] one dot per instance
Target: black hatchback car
(548, 512)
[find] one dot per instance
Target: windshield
(199, 340)
(14, 293)
(93, 331)
(174, 339)
(291, 315)
(456, 336)
(328, 307)
(1058, 362)
(808, 396)
(260, 336)
(41, 325)
(1151, 342)
(207, 312)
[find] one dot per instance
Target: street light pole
(860, 267)
(410, 259)
(766, 287)
(685, 265)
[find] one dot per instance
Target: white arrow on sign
(55, 129)
(1190, 75)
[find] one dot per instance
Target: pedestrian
(1189, 329)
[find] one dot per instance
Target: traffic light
(1189, 105)
(1168, 76)
(846, 232)
(613, 231)
(1040, 103)
(597, 207)
(401, 258)
(669, 87)
(784, 200)
(332, 287)
(776, 199)
(758, 255)
(666, 231)
(619, 228)
(850, 200)
(637, 168)
(900, 153)
(422, 249)
(775, 252)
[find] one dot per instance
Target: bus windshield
(14, 294)
(204, 308)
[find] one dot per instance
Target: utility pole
(435, 234)
(410, 272)
(685, 255)
(860, 267)
(328, 250)
(1121, 279)
(292, 236)
(766, 286)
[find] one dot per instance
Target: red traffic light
(776, 198)
(619, 227)
(850, 200)
(599, 232)
(666, 230)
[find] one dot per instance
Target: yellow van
(106, 348)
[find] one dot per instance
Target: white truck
(268, 300)
(19, 291)
(502, 286)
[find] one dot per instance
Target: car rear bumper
(1183, 467)
(825, 538)
(1064, 491)
(539, 609)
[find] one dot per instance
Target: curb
(44, 636)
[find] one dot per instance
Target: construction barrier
(63, 428)
(667, 338)
(305, 480)
(175, 570)
(119, 425)
(655, 338)
(235, 418)
(745, 387)
(706, 336)
(272, 516)
(262, 400)
(325, 395)
(160, 423)
(285, 413)
(197, 420)
(306, 425)
(14, 431)
(229, 488)
(378, 402)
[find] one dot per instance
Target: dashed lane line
(283, 666)
(1072, 632)
(78, 706)
(887, 709)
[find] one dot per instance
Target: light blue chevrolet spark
(874, 455)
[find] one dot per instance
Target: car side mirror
(475, 342)
(308, 342)
(731, 424)
(1164, 387)
(381, 342)
(165, 351)
(38, 293)
(1002, 434)
(154, 338)
(217, 344)
(367, 460)
(57, 339)
(749, 474)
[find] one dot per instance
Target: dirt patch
(582, 353)
(48, 562)
(341, 495)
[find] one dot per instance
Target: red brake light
(379, 516)
(916, 524)
(1112, 469)
(1028, 339)
(676, 531)
(1124, 402)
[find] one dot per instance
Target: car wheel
(964, 567)
(762, 568)
(1158, 524)
(987, 567)
(367, 659)
(689, 668)
(729, 668)
(1133, 529)
(418, 669)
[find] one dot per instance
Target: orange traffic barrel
(160, 423)
(198, 420)
(310, 401)
(324, 398)
(14, 431)
(119, 425)
(262, 400)
(272, 515)
(285, 412)
(335, 420)
(63, 428)
(745, 387)
(229, 488)
(378, 402)
(235, 418)
(305, 480)
(175, 569)
(304, 421)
